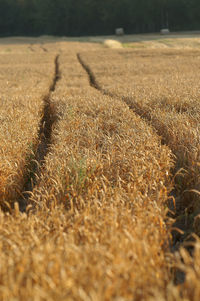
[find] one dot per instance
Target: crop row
(162, 87)
(108, 167)
(25, 80)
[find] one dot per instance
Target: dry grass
(97, 225)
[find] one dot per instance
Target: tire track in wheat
(44, 141)
(158, 126)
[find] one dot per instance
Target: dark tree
(94, 17)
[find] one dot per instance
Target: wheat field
(99, 170)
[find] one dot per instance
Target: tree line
(96, 17)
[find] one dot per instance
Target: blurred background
(96, 17)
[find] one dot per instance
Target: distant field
(184, 40)
(99, 168)
(189, 39)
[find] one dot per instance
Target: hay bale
(113, 44)
(164, 31)
(119, 31)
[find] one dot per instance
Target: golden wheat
(161, 86)
(96, 227)
(25, 79)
